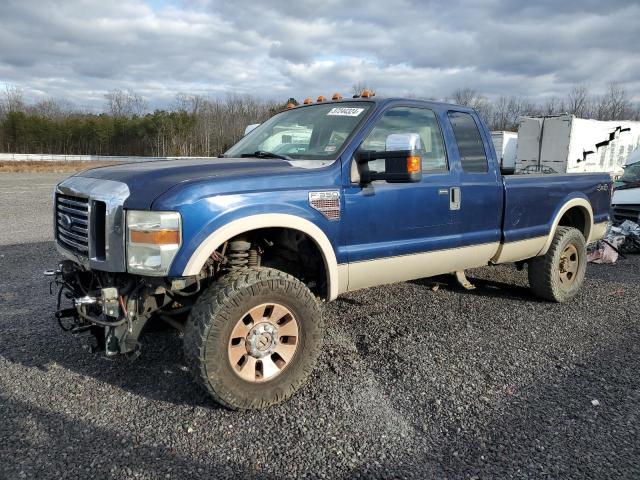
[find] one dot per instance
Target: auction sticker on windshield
(346, 111)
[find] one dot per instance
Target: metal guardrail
(44, 157)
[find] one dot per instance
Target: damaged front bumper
(110, 310)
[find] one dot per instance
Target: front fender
(208, 226)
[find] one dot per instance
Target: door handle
(455, 197)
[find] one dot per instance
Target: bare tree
(614, 104)
(465, 96)
(554, 106)
(469, 97)
(189, 103)
(13, 99)
(578, 100)
(500, 118)
(52, 108)
(125, 103)
(618, 101)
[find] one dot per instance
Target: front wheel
(253, 338)
(558, 275)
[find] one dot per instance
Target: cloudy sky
(80, 49)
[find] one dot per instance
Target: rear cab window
(473, 156)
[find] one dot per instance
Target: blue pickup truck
(321, 199)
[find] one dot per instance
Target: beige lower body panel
(370, 273)
(409, 267)
(598, 232)
(343, 277)
(520, 250)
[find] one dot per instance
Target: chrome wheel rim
(263, 342)
(569, 265)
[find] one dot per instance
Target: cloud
(80, 49)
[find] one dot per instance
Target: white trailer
(568, 144)
(506, 144)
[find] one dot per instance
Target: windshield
(312, 132)
(631, 174)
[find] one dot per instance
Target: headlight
(153, 239)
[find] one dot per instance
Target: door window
(407, 122)
(472, 154)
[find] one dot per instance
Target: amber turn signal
(414, 164)
(155, 237)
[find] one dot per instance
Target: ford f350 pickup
(321, 199)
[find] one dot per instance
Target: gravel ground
(25, 206)
(415, 382)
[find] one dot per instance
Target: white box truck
(566, 144)
(506, 144)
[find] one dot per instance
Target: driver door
(385, 221)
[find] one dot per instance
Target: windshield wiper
(264, 154)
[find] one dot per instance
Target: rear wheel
(253, 337)
(558, 275)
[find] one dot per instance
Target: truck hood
(148, 180)
(628, 196)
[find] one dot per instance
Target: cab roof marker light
(336, 96)
(307, 101)
(321, 99)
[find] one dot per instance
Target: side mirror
(400, 166)
(401, 161)
(251, 127)
(402, 141)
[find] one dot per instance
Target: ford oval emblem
(66, 221)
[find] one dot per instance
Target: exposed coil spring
(244, 259)
(253, 258)
(238, 259)
(238, 255)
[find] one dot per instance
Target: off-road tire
(544, 276)
(213, 318)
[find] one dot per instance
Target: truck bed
(531, 202)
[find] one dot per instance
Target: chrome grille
(89, 222)
(72, 223)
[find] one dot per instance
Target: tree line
(504, 112)
(195, 125)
